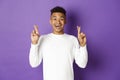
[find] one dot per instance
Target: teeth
(57, 26)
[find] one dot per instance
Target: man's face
(58, 21)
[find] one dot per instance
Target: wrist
(83, 45)
(34, 43)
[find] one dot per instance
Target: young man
(58, 50)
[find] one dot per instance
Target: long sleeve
(35, 55)
(81, 55)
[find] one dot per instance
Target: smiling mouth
(58, 26)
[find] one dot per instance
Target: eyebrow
(53, 16)
(63, 16)
(60, 16)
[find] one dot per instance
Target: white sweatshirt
(58, 53)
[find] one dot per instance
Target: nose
(58, 21)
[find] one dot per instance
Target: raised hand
(35, 35)
(81, 37)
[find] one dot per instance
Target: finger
(33, 33)
(78, 28)
(82, 34)
(36, 29)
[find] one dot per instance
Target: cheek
(52, 22)
(63, 22)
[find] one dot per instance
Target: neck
(58, 33)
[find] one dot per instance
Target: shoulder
(44, 36)
(72, 37)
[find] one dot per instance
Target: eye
(54, 18)
(62, 19)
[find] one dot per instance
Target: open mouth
(58, 26)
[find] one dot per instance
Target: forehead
(55, 14)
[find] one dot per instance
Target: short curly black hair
(58, 9)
